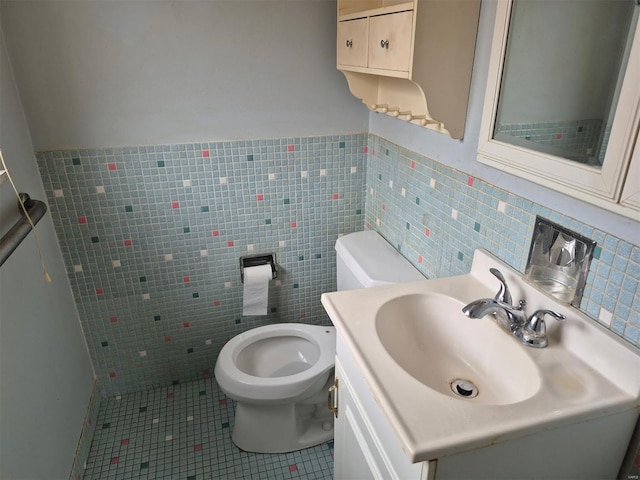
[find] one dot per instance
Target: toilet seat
(241, 380)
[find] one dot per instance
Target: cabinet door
(353, 456)
(361, 451)
(390, 41)
(352, 42)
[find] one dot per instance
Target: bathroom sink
(430, 338)
(411, 341)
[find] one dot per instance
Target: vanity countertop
(585, 372)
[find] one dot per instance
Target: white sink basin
(411, 340)
(432, 340)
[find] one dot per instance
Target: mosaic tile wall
(437, 217)
(152, 236)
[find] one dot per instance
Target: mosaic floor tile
(184, 432)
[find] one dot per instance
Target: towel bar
(10, 240)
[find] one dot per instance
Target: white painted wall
(111, 73)
(114, 73)
(45, 371)
(462, 154)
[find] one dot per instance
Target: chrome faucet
(503, 295)
(531, 331)
(508, 317)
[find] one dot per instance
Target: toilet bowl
(278, 375)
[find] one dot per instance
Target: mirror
(564, 65)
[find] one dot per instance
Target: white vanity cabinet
(364, 444)
(400, 347)
(367, 447)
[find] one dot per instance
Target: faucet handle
(534, 333)
(536, 325)
(503, 295)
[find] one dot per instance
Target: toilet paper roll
(256, 290)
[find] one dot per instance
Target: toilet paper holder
(259, 259)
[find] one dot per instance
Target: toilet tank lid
(374, 261)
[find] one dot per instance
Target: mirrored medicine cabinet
(562, 104)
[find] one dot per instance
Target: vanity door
(353, 458)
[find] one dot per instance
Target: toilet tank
(365, 259)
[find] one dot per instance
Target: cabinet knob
(384, 43)
(349, 43)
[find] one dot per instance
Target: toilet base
(282, 428)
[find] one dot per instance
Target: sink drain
(464, 388)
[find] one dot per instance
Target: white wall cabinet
(410, 59)
(613, 180)
(379, 42)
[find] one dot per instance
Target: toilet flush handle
(332, 398)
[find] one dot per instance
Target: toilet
(279, 374)
(365, 260)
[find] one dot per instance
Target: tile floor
(184, 432)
